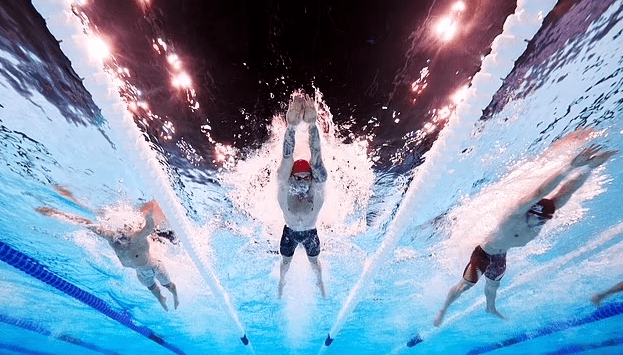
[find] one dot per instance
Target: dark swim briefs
(291, 238)
(493, 266)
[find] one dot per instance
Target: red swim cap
(301, 166)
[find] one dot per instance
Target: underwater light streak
(98, 49)
(525, 21)
(448, 26)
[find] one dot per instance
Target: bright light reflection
(161, 42)
(459, 95)
(429, 127)
(443, 114)
(174, 60)
(458, 6)
(182, 80)
(446, 28)
(98, 48)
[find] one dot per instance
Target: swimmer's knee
(153, 287)
(493, 283)
(465, 285)
(286, 259)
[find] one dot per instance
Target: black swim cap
(544, 208)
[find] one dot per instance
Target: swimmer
(599, 297)
(130, 245)
(521, 226)
(301, 191)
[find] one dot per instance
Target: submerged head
(542, 211)
(300, 177)
(123, 235)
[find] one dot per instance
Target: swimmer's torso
(514, 232)
(134, 254)
(301, 214)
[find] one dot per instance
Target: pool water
(393, 244)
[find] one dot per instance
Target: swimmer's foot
(163, 303)
(173, 289)
(596, 299)
(495, 312)
(439, 318)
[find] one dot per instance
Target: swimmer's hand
(597, 160)
(310, 111)
(585, 156)
(295, 110)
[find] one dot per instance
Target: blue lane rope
(21, 350)
(32, 267)
(578, 348)
(33, 327)
(607, 311)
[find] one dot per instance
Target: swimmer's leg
(283, 269)
(156, 291)
(70, 196)
(315, 263)
(171, 287)
(51, 212)
(491, 289)
(454, 293)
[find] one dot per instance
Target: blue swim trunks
(291, 238)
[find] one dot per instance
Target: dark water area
(245, 58)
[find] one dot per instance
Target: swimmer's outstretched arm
(85, 222)
(570, 187)
(319, 171)
(293, 118)
(580, 160)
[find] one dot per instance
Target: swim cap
(544, 208)
(301, 166)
